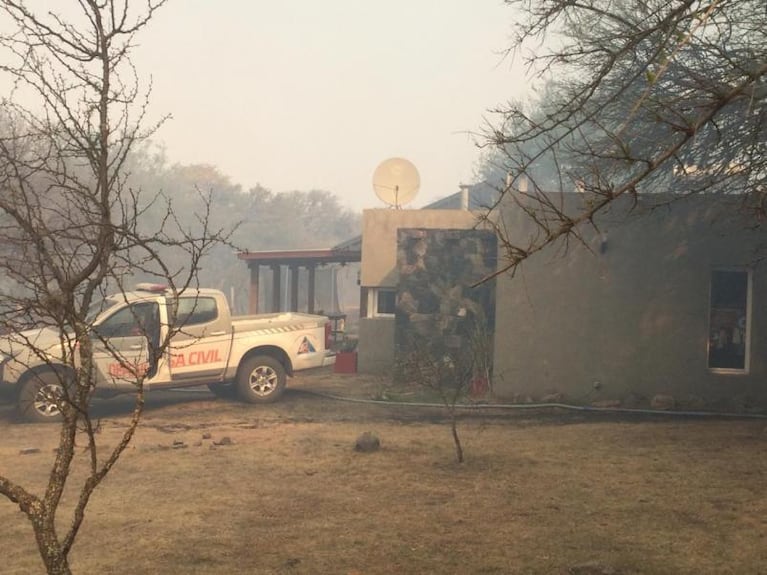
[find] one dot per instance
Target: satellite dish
(396, 181)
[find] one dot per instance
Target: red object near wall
(346, 362)
(479, 386)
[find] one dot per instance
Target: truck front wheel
(40, 398)
(261, 379)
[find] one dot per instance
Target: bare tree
(445, 371)
(69, 229)
(451, 366)
(640, 96)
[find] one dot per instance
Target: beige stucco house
(664, 299)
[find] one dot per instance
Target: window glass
(729, 322)
(387, 301)
(135, 320)
(97, 307)
(196, 310)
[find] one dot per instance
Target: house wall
(628, 318)
(375, 348)
(378, 268)
(379, 238)
(445, 313)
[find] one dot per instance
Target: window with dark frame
(135, 320)
(729, 323)
(196, 310)
(386, 302)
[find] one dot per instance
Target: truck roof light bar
(150, 287)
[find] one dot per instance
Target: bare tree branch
(642, 96)
(70, 229)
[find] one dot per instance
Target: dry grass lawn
(538, 493)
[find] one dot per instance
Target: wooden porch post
(293, 288)
(276, 287)
(255, 268)
(310, 303)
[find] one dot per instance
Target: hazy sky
(315, 93)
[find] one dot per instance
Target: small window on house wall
(387, 302)
(381, 302)
(729, 321)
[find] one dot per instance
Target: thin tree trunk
(456, 439)
(51, 551)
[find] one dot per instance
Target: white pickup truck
(251, 355)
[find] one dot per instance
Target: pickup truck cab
(249, 355)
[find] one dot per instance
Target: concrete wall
(375, 350)
(628, 319)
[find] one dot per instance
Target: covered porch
(299, 265)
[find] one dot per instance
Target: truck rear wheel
(40, 398)
(261, 379)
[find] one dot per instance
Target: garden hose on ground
(524, 406)
(520, 406)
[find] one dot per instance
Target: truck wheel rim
(46, 400)
(263, 380)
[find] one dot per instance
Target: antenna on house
(396, 181)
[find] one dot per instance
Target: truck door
(199, 351)
(124, 345)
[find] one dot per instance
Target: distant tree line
(262, 219)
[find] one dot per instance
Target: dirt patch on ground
(215, 486)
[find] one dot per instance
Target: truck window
(134, 320)
(196, 310)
